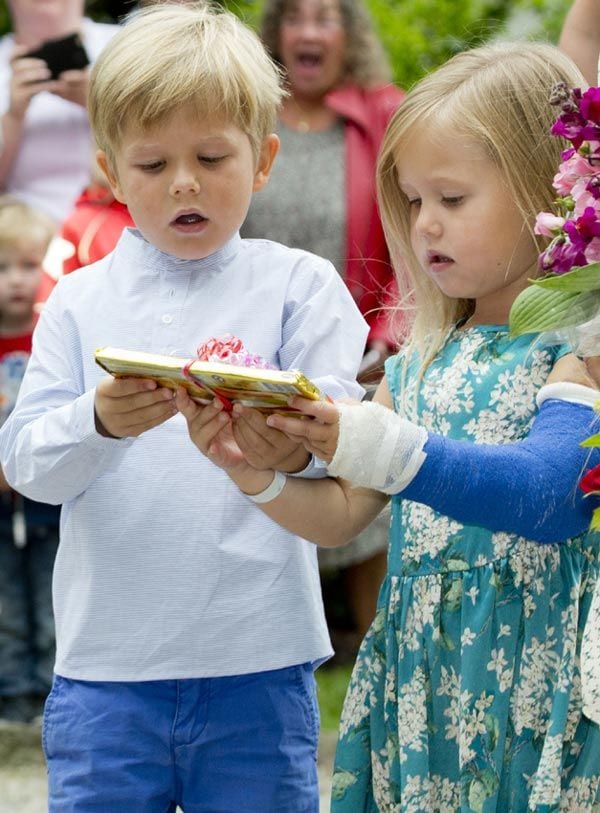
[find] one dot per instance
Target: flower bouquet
(566, 298)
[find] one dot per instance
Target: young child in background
(466, 691)
(90, 232)
(28, 530)
(188, 624)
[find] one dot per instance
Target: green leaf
(493, 729)
(537, 309)
(457, 563)
(594, 440)
(342, 780)
(595, 523)
(578, 280)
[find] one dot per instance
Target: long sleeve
(528, 487)
(49, 446)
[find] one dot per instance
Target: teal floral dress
(466, 693)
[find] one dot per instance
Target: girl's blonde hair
(171, 56)
(21, 224)
(366, 63)
(497, 96)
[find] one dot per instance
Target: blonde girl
(466, 690)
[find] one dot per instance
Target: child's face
(20, 277)
(466, 231)
(188, 182)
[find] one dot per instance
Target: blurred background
(418, 34)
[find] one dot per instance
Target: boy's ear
(113, 181)
(268, 153)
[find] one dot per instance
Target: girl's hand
(264, 447)
(574, 370)
(318, 436)
(211, 431)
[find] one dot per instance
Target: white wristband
(273, 490)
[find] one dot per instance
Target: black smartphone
(64, 54)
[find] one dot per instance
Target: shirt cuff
(314, 469)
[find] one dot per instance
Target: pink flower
(230, 350)
(592, 250)
(548, 224)
(570, 171)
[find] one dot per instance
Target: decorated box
(264, 389)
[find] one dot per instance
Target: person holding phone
(44, 131)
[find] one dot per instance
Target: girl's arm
(528, 487)
(327, 511)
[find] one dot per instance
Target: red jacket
(93, 229)
(369, 275)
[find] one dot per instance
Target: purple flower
(560, 257)
(589, 105)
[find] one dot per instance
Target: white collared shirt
(165, 570)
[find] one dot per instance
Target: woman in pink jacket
(321, 196)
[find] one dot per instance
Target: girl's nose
(427, 223)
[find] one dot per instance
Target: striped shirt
(165, 570)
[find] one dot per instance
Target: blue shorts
(240, 744)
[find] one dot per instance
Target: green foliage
(421, 34)
(332, 682)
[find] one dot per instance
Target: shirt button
(167, 319)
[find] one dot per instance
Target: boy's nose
(185, 183)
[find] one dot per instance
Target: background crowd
(347, 66)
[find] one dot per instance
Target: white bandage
(567, 391)
(377, 448)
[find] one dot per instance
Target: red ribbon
(227, 403)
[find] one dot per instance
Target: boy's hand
(265, 447)
(319, 436)
(126, 407)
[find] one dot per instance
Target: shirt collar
(136, 249)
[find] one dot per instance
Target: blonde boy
(28, 530)
(187, 632)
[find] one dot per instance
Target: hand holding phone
(64, 54)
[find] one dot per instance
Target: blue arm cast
(528, 487)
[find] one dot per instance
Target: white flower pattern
(466, 694)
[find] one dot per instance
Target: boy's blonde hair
(498, 97)
(21, 224)
(171, 56)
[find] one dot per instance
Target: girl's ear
(113, 181)
(267, 155)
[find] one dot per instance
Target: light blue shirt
(165, 570)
